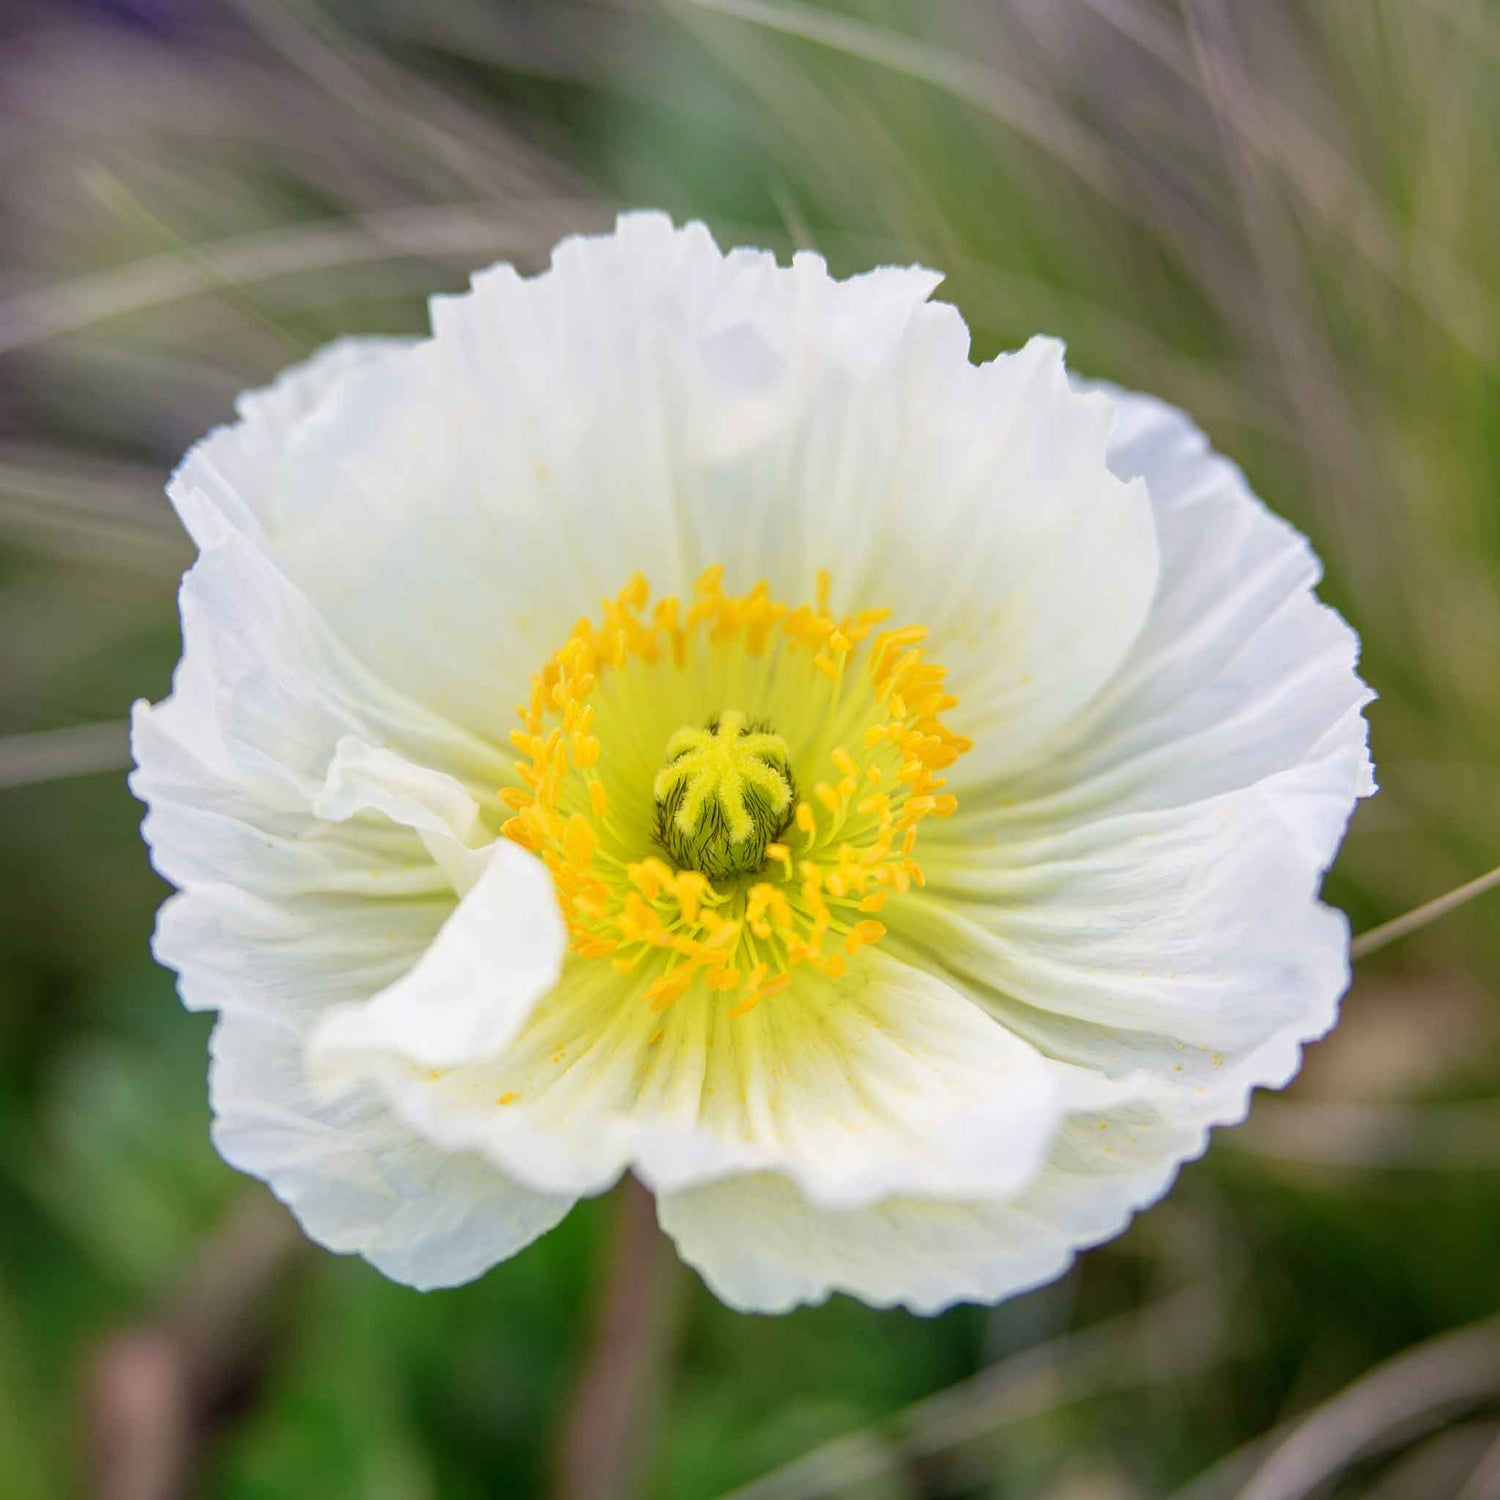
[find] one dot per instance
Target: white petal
(1240, 672)
(1150, 892)
(1144, 903)
(471, 991)
(260, 702)
(651, 404)
(762, 1246)
(235, 767)
(1198, 923)
(885, 1081)
(1001, 528)
(237, 951)
(234, 467)
(282, 802)
(356, 1178)
(437, 807)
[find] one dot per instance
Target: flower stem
(606, 1437)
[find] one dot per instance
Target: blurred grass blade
(463, 231)
(1179, 1335)
(1024, 110)
(1485, 1480)
(1413, 921)
(397, 103)
(1476, 27)
(1406, 256)
(107, 515)
(1395, 1401)
(55, 754)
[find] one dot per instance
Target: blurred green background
(1281, 216)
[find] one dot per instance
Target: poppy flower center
(683, 849)
(724, 794)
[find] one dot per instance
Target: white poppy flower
(685, 718)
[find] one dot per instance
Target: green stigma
(725, 793)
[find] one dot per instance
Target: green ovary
(724, 794)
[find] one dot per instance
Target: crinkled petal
(762, 1246)
(319, 824)
(1144, 902)
(1200, 923)
(236, 466)
(1240, 673)
(357, 1178)
(883, 1081)
(471, 991)
(652, 404)
(437, 807)
(287, 792)
(1150, 891)
(1002, 529)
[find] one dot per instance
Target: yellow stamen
(725, 798)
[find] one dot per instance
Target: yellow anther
(690, 888)
(592, 946)
(730, 787)
(670, 987)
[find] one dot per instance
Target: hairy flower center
(758, 880)
(724, 794)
